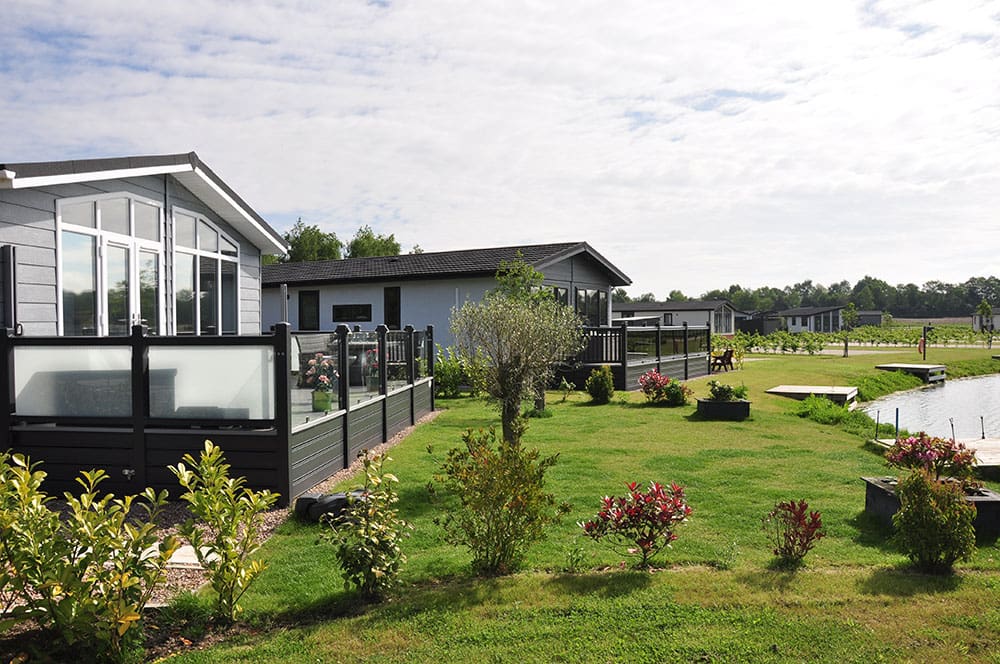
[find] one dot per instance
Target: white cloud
(694, 145)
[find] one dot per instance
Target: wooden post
(623, 356)
(659, 345)
(344, 384)
(383, 366)
(139, 347)
(282, 340)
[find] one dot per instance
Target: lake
(928, 409)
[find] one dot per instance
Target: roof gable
(187, 168)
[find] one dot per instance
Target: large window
(110, 265)
(592, 306)
(352, 313)
(206, 277)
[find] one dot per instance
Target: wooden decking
(844, 395)
(987, 449)
(929, 373)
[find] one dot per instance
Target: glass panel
(420, 354)
(397, 374)
(602, 306)
(362, 365)
(211, 383)
(184, 231)
(147, 221)
(641, 344)
(118, 291)
(81, 214)
(208, 295)
(82, 381)
(228, 248)
(315, 365)
(208, 238)
(230, 298)
(114, 215)
(184, 292)
(149, 290)
(79, 284)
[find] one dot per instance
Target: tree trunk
(510, 417)
(845, 345)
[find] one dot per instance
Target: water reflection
(929, 409)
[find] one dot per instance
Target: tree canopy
(309, 243)
(366, 243)
(511, 338)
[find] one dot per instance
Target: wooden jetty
(929, 373)
(987, 449)
(843, 395)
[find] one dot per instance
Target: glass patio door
(132, 287)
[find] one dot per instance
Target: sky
(693, 144)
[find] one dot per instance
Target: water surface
(928, 409)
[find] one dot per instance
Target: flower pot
(724, 410)
(881, 502)
(321, 400)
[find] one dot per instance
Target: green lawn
(717, 599)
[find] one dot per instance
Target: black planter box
(723, 410)
(882, 503)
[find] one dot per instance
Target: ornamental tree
(510, 339)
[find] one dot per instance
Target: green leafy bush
(225, 530)
(504, 506)
(600, 385)
(449, 374)
(368, 533)
(934, 523)
(722, 392)
(89, 576)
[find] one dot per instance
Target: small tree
(985, 313)
(849, 318)
(511, 338)
(934, 524)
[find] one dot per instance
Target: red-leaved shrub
(794, 529)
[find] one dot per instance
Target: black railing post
(411, 372)
(686, 373)
(659, 345)
(429, 342)
(6, 384)
(344, 387)
(623, 356)
(139, 346)
(383, 365)
(282, 340)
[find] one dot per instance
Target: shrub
(934, 523)
(368, 533)
(794, 530)
(566, 387)
(722, 392)
(87, 577)
(933, 455)
(504, 507)
(661, 389)
(600, 385)
(231, 517)
(449, 374)
(640, 522)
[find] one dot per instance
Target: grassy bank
(717, 599)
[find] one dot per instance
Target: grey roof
(670, 305)
(431, 265)
(191, 171)
(809, 311)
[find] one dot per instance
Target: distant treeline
(934, 298)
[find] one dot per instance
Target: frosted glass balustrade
(82, 381)
(235, 383)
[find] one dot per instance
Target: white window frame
(200, 253)
(103, 238)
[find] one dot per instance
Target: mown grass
(717, 599)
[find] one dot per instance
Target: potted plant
(725, 402)
(322, 376)
(945, 461)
